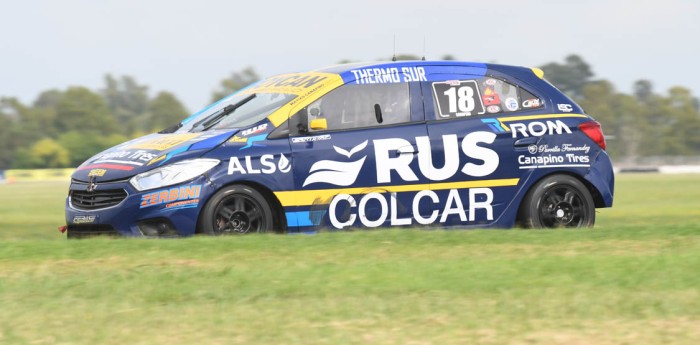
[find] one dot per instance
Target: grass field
(634, 279)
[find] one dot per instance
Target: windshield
(236, 111)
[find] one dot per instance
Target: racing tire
(237, 209)
(558, 201)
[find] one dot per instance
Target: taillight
(592, 130)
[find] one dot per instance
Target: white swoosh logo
(337, 173)
(352, 151)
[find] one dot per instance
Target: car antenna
(423, 59)
(393, 58)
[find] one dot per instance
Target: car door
(357, 167)
(472, 153)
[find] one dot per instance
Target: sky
(188, 47)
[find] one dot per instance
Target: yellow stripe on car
(324, 196)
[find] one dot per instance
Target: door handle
(410, 149)
(525, 142)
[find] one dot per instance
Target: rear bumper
(602, 177)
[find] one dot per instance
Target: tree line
(639, 125)
(62, 128)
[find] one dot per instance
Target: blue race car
(431, 143)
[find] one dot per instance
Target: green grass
(32, 210)
(634, 279)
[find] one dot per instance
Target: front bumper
(116, 208)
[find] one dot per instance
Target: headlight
(172, 174)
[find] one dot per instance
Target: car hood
(148, 152)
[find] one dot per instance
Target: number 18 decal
(458, 98)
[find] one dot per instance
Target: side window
(355, 106)
(460, 98)
(530, 101)
(499, 96)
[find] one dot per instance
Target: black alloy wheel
(236, 209)
(558, 201)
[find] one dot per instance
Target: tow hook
(63, 228)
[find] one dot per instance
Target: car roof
(477, 68)
(343, 68)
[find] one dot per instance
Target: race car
(441, 144)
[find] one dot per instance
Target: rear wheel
(237, 209)
(558, 201)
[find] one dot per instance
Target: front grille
(86, 231)
(85, 200)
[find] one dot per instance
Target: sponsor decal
(564, 155)
(297, 80)
(567, 108)
(458, 100)
(491, 82)
(498, 125)
(182, 204)
(495, 125)
(545, 148)
(307, 92)
(257, 129)
(571, 148)
(254, 141)
(138, 157)
(162, 143)
(532, 149)
(479, 200)
(511, 104)
(539, 128)
(318, 84)
(342, 173)
(112, 155)
(142, 156)
(237, 139)
(532, 103)
(337, 173)
(265, 165)
(389, 75)
(97, 172)
(469, 146)
(107, 166)
(164, 158)
(324, 137)
(493, 109)
(490, 97)
(84, 219)
(553, 161)
(171, 197)
(157, 159)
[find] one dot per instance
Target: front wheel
(236, 209)
(558, 201)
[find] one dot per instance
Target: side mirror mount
(319, 124)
